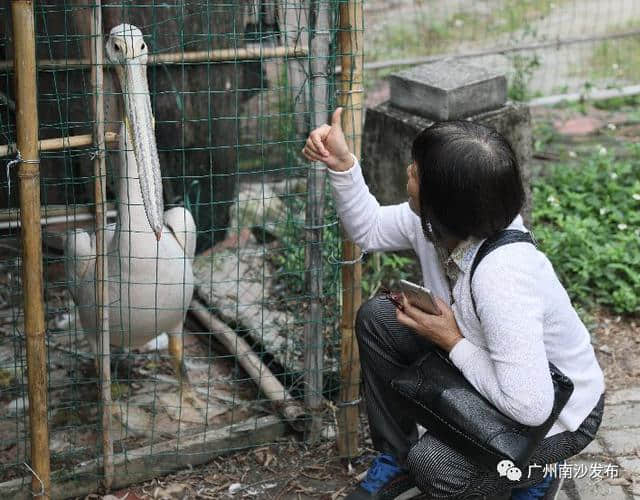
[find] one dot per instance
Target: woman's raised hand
(328, 145)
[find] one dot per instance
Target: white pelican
(150, 256)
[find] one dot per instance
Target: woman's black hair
(469, 180)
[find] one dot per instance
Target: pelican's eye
(142, 46)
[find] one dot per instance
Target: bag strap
(504, 237)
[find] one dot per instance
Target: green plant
(435, 31)
(587, 220)
(384, 269)
(523, 68)
(617, 60)
(618, 103)
(544, 134)
(519, 14)
(289, 256)
(580, 105)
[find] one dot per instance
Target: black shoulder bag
(451, 409)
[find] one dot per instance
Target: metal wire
(10, 164)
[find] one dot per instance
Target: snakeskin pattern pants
(387, 348)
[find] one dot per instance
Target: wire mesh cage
(217, 275)
(171, 131)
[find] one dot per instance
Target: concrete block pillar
(445, 90)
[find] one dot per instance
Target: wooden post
(102, 261)
(351, 97)
(32, 280)
(319, 41)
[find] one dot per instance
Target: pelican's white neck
(141, 182)
(131, 211)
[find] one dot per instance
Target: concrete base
(389, 133)
(448, 90)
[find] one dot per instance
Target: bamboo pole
(57, 219)
(32, 280)
(253, 365)
(62, 212)
(200, 56)
(319, 41)
(351, 98)
(58, 143)
(102, 262)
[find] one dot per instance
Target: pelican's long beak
(141, 130)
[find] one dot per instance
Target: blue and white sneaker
(547, 489)
(385, 480)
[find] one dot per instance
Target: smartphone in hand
(420, 297)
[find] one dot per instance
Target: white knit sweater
(526, 318)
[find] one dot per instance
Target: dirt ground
(616, 341)
(287, 470)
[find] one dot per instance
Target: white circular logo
(514, 474)
(509, 469)
(504, 466)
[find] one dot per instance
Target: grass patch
(523, 68)
(544, 135)
(618, 103)
(617, 59)
(587, 220)
(427, 35)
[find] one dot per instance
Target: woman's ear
(438, 233)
